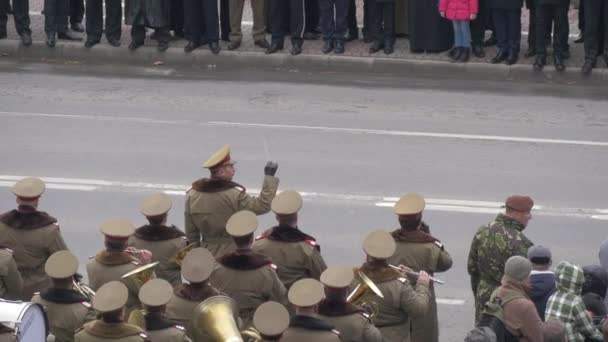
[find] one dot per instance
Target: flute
(415, 274)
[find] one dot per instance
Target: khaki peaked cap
(219, 158)
(61, 265)
(337, 277)
(410, 204)
(198, 265)
(118, 228)
(110, 297)
(306, 292)
(242, 223)
(379, 244)
(156, 204)
(286, 203)
(271, 319)
(155, 292)
(30, 187)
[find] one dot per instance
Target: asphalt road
(107, 139)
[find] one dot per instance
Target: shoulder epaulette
(78, 330)
(335, 332)
(402, 280)
(144, 336)
(439, 244)
(179, 327)
(312, 242)
(86, 305)
(263, 236)
(136, 263)
(8, 250)
(273, 266)
(366, 315)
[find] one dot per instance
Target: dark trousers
(225, 18)
(596, 28)
(481, 23)
(581, 16)
(296, 19)
(177, 16)
(532, 29)
(94, 19)
(383, 27)
(56, 16)
(200, 19)
(311, 15)
(138, 34)
(76, 12)
(21, 14)
(558, 15)
(334, 18)
(507, 27)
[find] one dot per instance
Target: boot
(499, 58)
(214, 47)
(233, 45)
(389, 47)
(558, 61)
(339, 49)
(135, 45)
(163, 46)
(531, 52)
(191, 46)
(90, 43)
(539, 62)
(26, 39)
(296, 47)
(453, 51)
(464, 56)
(51, 39)
(512, 58)
(588, 67)
(327, 47)
(456, 55)
(478, 51)
(77, 27)
(274, 47)
(375, 47)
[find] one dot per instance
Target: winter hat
(518, 268)
(482, 334)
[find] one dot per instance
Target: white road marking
(449, 301)
(479, 137)
(433, 204)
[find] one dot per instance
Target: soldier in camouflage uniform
(493, 244)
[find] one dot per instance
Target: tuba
(363, 294)
(217, 317)
(82, 288)
(181, 254)
(139, 276)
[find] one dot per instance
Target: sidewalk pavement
(356, 56)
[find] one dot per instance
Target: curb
(147, 55)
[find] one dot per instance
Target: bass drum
(27, 319)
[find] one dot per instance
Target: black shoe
(134, 45)
(90, 43)
(512, 58)
(465, 55)
(263, 43)
(350, 36)
(339, 49)
(478, 51)
(163, 46)
(375, 47)
(455, 54)
(274, 47)
(310, 36)
(296, 47)
(233, 45)
(499, 58)
(580, 38)
(539, 63)
(328, 46)
(558, 61)
(587, 68)
(530, 53)
(389, 48)
(77, 27)
(214, 47)
(26, 39)
(51, 39)
(367, 38)
(68, 36)
(490, 41)
(114, 42)
(191, 46)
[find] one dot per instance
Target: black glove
(271, 168)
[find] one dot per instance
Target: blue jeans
(462, 33)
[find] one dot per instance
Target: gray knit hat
(518, 268)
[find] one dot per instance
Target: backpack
(493, 317)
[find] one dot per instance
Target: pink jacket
(458, 9)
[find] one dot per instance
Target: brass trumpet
(217, 317)
(181, 254)
(141, 275)
(363, 294)
(84, 290)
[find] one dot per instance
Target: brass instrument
(181, 254)
(217, 317)
(415, 274)
(362, 295)
(137, 318)
(84, 290)
(141, 275)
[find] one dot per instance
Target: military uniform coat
(109, 266)
(308, 329)
(421, 251)
(10, 278)
(67, 311)
(353, 324)
(164, 242)
(296, 254)
(161, 329)
(182, 304)
(99, 331)
(7, 334)
(401, 302)
(209, 205)
(492, 246)
(33, 236)
(250, 279)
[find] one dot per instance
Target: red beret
(519, 203)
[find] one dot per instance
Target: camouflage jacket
(492, 245)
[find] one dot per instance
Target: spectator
(460, 12)
(554, 331)
(542, 279)
(596, 280)
(567, 305)
(595, 306)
